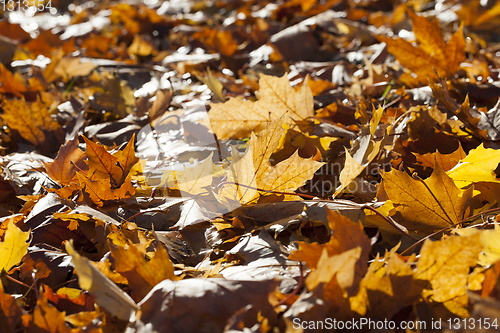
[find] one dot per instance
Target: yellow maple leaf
(254, 169)
(14, 246)
(195, 180)
(33, 122)
(426, 205)
(446, 265)
(478, 166)
(237, 118)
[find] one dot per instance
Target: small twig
(390, 221)
(447, 228)
(300, 284)
(17, 281)
(267, 191)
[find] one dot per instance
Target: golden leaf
(445, 161)
(478, 166)
(195, 180)
(426, 205)
(14, 246)
(432, 55)
(254, 169)
(33, 122)
(236, 118)
(446, 265)
(103, 165)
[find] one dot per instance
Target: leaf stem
(447, 228)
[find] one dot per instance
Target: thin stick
(448, 227)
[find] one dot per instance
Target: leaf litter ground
(235, 166)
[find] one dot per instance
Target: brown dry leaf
(426, 205)
(169, 306)
(33, 122)
(345, 235)
(445, 161)
(66, 68)
(10, 312)
(364, 150)
(69, 159)
(341, 266)
(11, 84)
(103, 165)
(387, 287)
(46, 318)
(14, 246)
(213, 84)
(160, 104)
(101, 190)
(107, 294)
(142, 275)
(236, 118)
(119, 96)
(141, 47)
(254, 169)
(432, 55)
(446, 265)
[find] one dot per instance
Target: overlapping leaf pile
(347, 167)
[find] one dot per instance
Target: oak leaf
(432, 55)
(236, 118)
(14, 246)
(426, 205)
